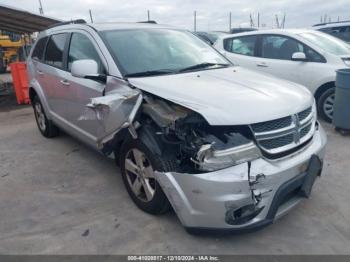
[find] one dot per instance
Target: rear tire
(325, 105)
(138, 183)
(46, 127)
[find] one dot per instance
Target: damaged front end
(221, 179)
(198, 146)
(206, 151)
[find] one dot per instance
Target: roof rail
(347, 21)
(77, 21)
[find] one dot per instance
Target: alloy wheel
(140, 175)
(40, 116)
(328, 105)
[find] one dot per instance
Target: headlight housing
(210, 158)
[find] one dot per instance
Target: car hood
(229, 96)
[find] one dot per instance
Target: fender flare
(321, 89)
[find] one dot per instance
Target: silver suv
(225, 147)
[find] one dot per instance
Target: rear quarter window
(39, 48)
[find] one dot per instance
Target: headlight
(346, 61)
(210, 159)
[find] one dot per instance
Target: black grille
(305, 131)
(277, 142)
(272, 125)
(304, 114)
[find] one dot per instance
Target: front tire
(46, 126)
(138, 164)
(325, 105)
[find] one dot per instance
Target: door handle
(65, 82)
(262, 65)
(40, 72)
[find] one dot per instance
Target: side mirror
(84, 68)
(299, 56)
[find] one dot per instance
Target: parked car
(307, 57)
(209, 37)
(226, 147)
(338, 29)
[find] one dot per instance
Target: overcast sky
(211, 14)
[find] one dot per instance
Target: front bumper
(203, 201)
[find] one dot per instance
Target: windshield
(160, 51)
(328, 43)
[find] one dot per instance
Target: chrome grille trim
(273, 124)
(304, 114)
(276, 138)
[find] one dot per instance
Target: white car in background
(338, 29)
(304, 56)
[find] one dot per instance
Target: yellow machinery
(13, 48)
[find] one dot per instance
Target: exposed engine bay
(197, 145)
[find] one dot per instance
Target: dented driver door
(79, 93)
(108, 114)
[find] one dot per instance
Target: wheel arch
(323, 88)
(35, 90)
(146, 134)
(32, 94)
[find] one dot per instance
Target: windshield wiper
(202, 65)
(150, 73)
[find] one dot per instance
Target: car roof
(272, 31)
(332, 24)
(121, 26)
(109, 26)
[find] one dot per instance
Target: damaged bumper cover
(246, 196)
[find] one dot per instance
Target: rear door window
(244, 45)
(38, 51)
(55, 50)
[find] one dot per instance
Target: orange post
(20, 82)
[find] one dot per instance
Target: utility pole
(90, 13)
(148, 15)
(195, 21)
(277, 22)
(258, 20)
(230, 24)
(41, 10)
(283, 21)
(251, 20)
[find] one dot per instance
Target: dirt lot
(59, 197)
